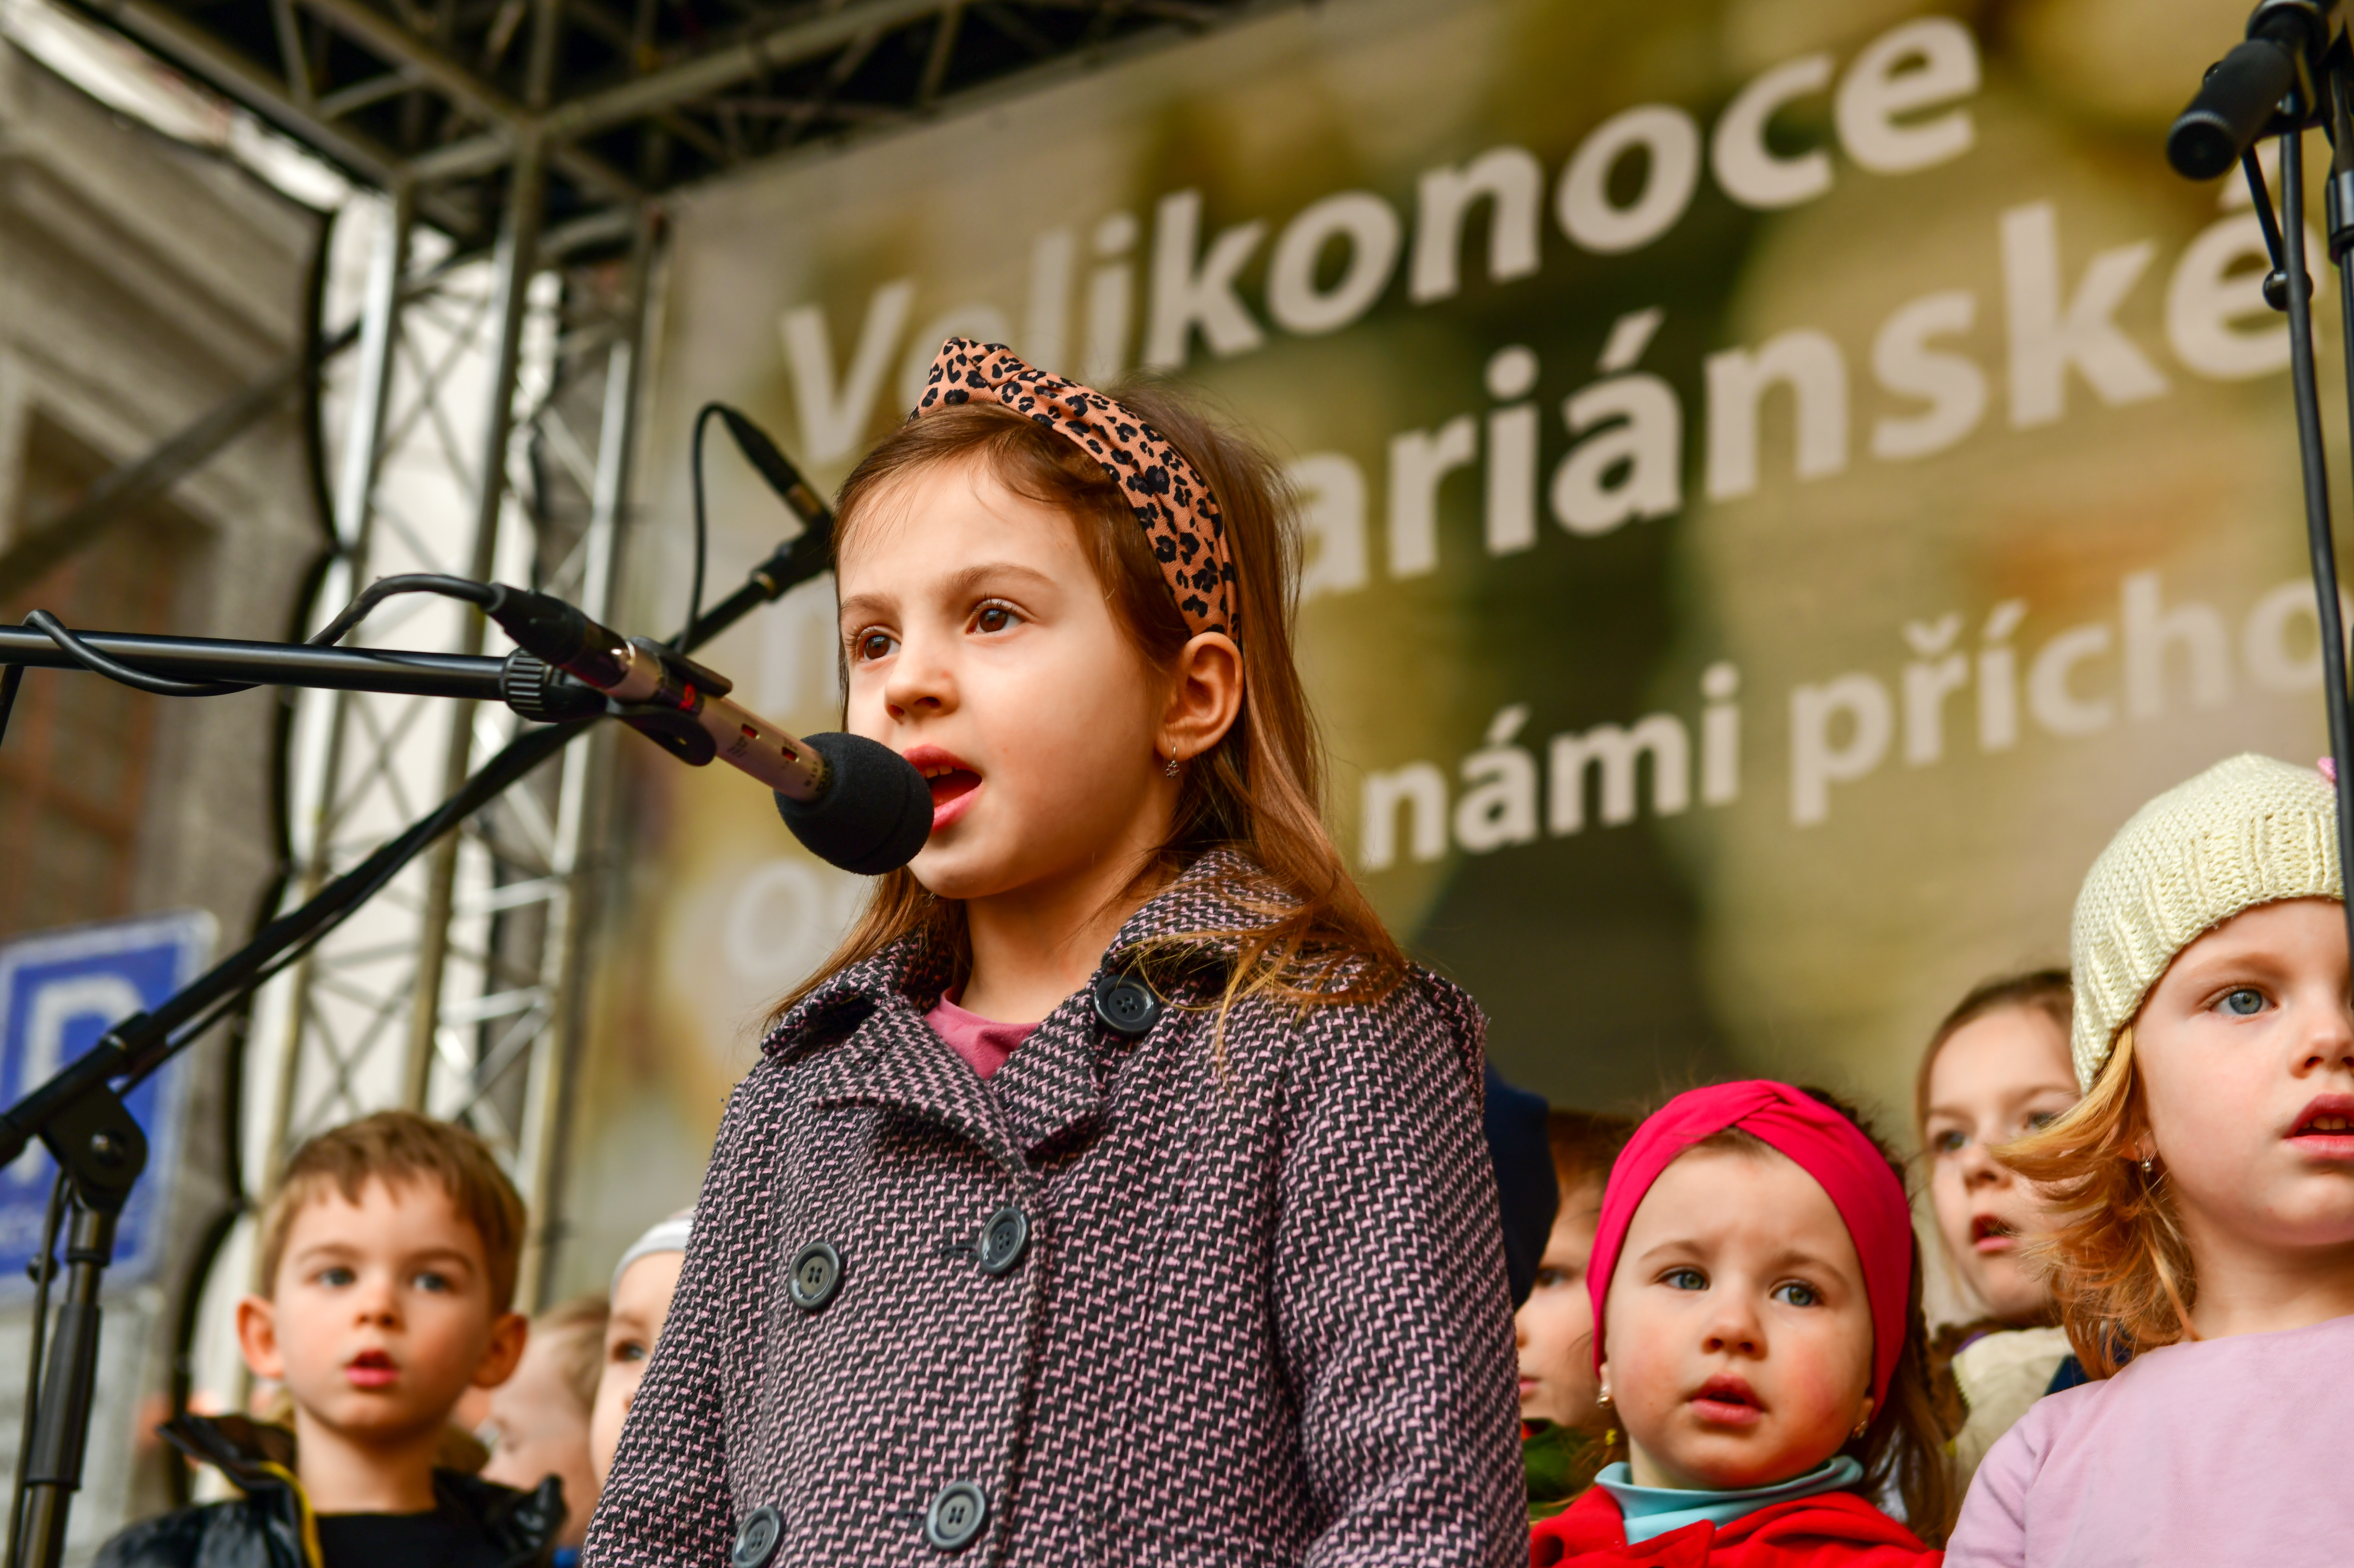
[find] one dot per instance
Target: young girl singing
(1117, 1192)
(2206, 1183)
(1760, 1346)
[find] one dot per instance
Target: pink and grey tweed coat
(1131, 1301)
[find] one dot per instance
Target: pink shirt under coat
(2224, 1451)
(983, 1043)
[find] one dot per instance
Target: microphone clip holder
(675, 732)
(667, 715)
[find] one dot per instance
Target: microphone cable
(482, 596)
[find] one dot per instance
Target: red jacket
(1832, 1529)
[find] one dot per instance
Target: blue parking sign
(61, 991)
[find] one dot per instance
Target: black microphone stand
(78, 1112)
(2295, 70)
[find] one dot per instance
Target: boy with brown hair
(387, 1267)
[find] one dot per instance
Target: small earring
(1603, 1399)
(1171, 771)
(1860, 1427)
(2146, 1173)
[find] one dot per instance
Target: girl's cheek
(1828, 1371)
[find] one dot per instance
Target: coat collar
(1057, 1085)
(258, 1460)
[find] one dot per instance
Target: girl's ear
(1205, 696)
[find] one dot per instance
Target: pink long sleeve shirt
(2226, 1451)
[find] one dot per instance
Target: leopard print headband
(1174, 507)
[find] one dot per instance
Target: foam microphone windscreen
(876, 810)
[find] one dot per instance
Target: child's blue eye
(337, 1277)
(1684, 1279)
(1798, 1292)
(2244, 1002)
(430, 1281)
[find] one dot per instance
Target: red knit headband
(1173, 504)
(1819, 1141)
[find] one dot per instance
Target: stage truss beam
(611, 108)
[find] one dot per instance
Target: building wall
(143, 284)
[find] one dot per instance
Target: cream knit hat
(2249, 830)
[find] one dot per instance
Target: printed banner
(1786, 479)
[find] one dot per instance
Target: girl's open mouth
(1727, 1401)
(1989, 1233)
(370, 1369)
(953, 782)
(950, 788)
(2326, 1127)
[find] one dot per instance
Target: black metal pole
(2320, 544)
(394, 671)
(62, 1429)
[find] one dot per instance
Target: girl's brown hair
(1314, 937)
(1904, 1445)
(1585, 1145)
(2120, 1267)
(2047, 992)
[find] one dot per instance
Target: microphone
(776, 467)
(851, 802)
(2237, 101)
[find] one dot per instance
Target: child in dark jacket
(1757, 1296)
(389, 1256)
(1117, 1192)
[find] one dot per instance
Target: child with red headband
(1759, 1341)
(1117, 1192)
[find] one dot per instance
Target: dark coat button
(956, 1516)
(815, 1276)
(756, 1538)
(1002, 1238)
(1127, 1005)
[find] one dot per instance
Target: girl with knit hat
(2204, 1263)
(1116, 1192)
(1757, 1301)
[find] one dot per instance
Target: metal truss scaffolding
(485, 432)
(582, 104)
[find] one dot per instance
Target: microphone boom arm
(78, 1111)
